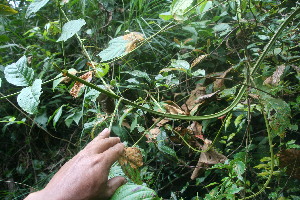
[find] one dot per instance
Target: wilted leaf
(153, 133)
(134, 38)
(70, 28)
(133, 192)
(219, 83)
(28, 99)
(133, 156)
(121, 46)
(35, 6)
(196, 93)
(18, 73)
(275, 78)
(77, 86)
(130, 161)
(6, 10)
(210, 157)
(290, 158)
(173, 108)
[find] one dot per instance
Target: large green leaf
(28, 99)
(116, 48)
(71, 28)
(18, 73)
(179, 7)
(134, 192)
(35, 6)
(278, 113)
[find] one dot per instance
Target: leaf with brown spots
(77, 86)
(130, 161)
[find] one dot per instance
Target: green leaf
(179, 7)
(278, 114)
(221, 27)
(115, 170)
(116, 48)
(162, 146)
(166, 16)
(70, 28)
(57, 115)
(136, 192)
(6, 10)
(238, 120)
(102, 69)
(0, 82)
(138, 73)
(35, 6)
(239, 168)
(203, 8)
(28, 99)
(75, 116)
(18, 73)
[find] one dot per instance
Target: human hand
(85, 176)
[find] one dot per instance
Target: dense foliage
(207, 90)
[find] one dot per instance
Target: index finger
(112, 154)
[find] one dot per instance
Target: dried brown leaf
(207, 158)
(219, 83)
(153, 133)
(275, 78)
(196, 93)
(77, 86)
(173, 108)
(135, 38)
(196, 128)
(131, 156)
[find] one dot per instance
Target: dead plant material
(219, 83)
(131, 156)
(191, 104)
(275, 78)
(77, 86)
(135, 38)
(206, 159)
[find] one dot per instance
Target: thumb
(113, 184)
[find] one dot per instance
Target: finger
(113, 184)
(104, 134)
(111, 155)
(104, 144)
